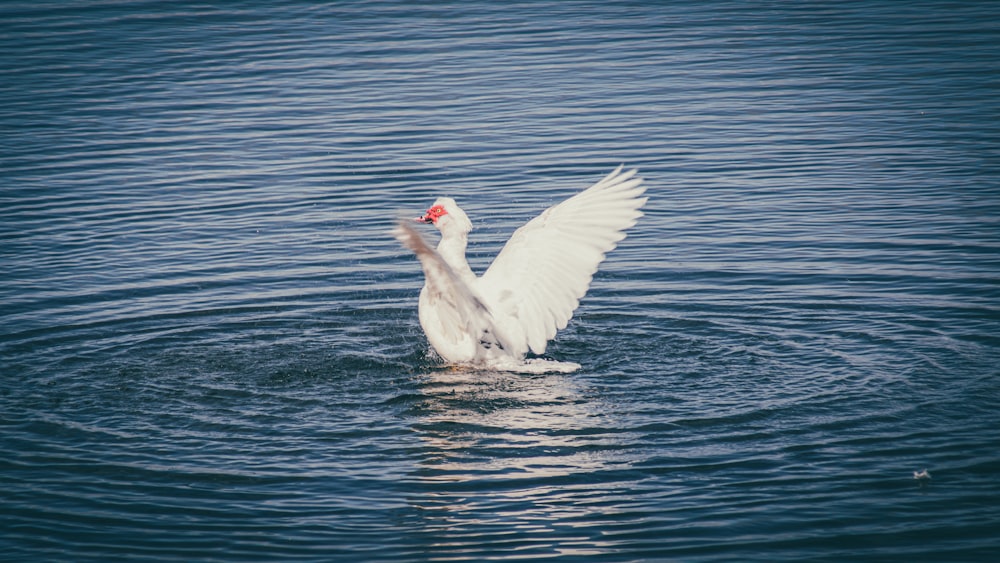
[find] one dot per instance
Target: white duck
(532, 287)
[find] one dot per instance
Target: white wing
(457, 323)
(536, 282)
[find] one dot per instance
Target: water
(209, 341)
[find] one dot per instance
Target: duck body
(535, 283)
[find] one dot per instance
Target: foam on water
(534, 366)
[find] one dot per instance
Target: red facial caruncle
(433, 214)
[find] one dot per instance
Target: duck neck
(452, 250)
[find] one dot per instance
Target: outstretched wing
(536, 282)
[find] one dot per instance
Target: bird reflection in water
(507, 451)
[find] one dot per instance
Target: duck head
(447, 216)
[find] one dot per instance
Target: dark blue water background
(209, 341)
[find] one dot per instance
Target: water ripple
(210, 345)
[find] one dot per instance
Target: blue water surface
(209, 346)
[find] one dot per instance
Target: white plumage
(532, 287)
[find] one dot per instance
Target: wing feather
(455, 319)
(536, 282)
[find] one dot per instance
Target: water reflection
(504, 426)
(512, 460)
